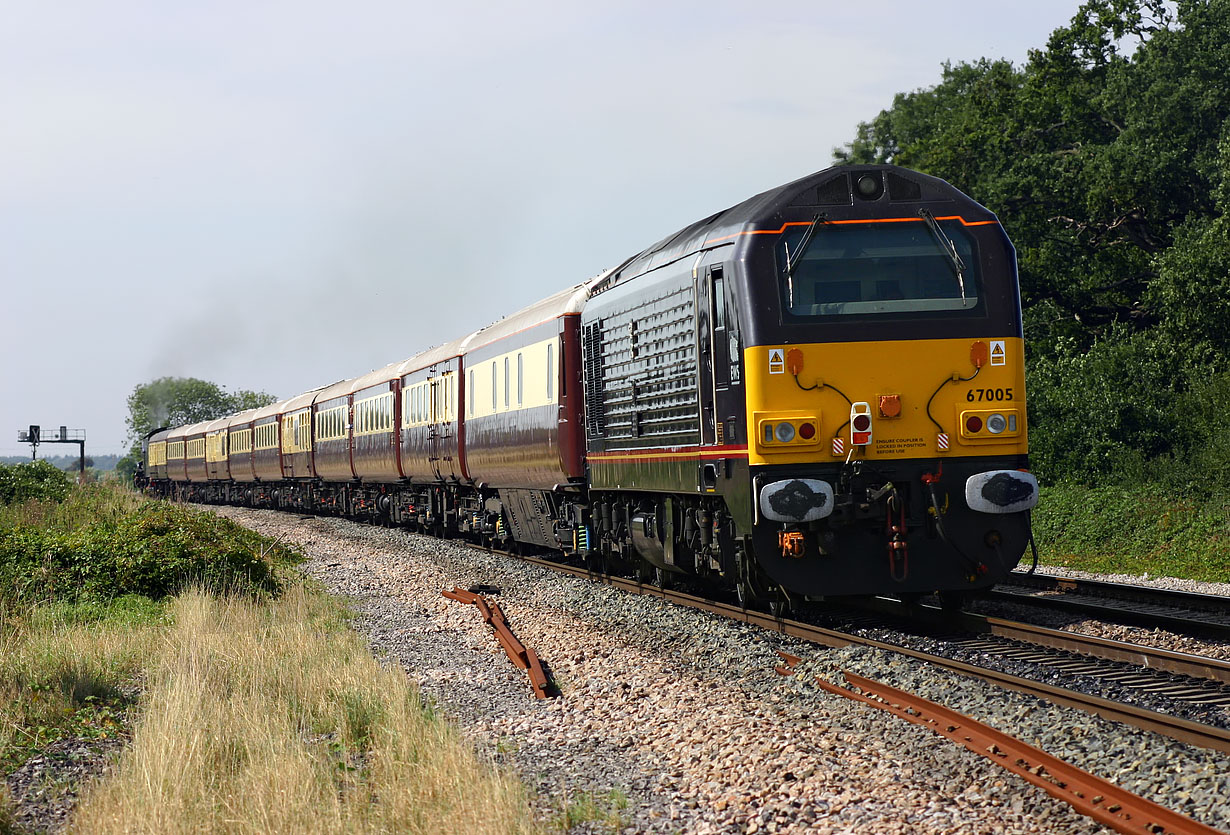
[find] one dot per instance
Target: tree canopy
(1098, 160)
(175, 401)
(1107, 158)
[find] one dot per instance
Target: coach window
(520, 385)
(507, 382)
(470, 397)
(550, 368)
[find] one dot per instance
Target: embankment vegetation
(245, 701)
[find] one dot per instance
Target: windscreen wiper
(949, 248)
(792, 262)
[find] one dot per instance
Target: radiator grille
(591, 354)
(648, 394)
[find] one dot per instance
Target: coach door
(443, 442)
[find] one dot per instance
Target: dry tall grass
(275, 718)
(55, 660)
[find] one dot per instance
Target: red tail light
(860, 423)
(973, 424)
(807, 431)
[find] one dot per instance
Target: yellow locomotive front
(884, 389)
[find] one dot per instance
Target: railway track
(1183, 677)
(1187, 613)
(1203, 681)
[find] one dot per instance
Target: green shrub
(131, 547)
(36, 480)
(1133, 530)
(1132, 407)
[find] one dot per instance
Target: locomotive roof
(764, 210)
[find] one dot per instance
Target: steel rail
(1175, 611)
(1200, 601)
(1092, 646)
(1184, 730)
(1090, 795)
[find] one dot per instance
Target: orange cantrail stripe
(785, 226)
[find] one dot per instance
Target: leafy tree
(1107, 158)
(1092, 157)
(176, 401)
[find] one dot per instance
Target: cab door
(704, 358)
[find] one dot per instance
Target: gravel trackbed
(674, 721)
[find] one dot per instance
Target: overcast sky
(276, 195)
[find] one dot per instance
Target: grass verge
(68, 670)
(274, 717)
(1133, 530)
(250, 703)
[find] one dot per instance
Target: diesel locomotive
(818, 392)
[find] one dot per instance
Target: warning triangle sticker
(775, 355)
(999, 355)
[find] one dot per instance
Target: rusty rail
(521, 655)
(1089, 794)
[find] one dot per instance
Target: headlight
(784, 432)
(996, 423)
